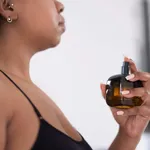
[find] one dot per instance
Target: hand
(133, 121)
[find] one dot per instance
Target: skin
(36, 27)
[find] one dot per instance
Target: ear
(7, 10)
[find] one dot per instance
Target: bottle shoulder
(115, 77)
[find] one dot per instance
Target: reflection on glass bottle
(118, 83)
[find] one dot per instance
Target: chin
(55, 42)
(51, 43)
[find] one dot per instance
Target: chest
(25, 126)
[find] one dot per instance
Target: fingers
(141, 111)
(135, 74)
(138, 92)
(133, 92)
(142, 76)
(133, 67)
(127, 112)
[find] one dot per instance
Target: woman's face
(40, 21)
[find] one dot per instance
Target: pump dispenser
(118, 83)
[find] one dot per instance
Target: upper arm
(5, 118)
(2, 130)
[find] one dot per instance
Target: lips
(63, 28)
(62, 24)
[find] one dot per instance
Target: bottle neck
(125, 70)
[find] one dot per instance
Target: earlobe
(9, 20)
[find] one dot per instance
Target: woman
(29, 119)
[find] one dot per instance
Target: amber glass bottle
(117, 83)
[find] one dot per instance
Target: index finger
(133, 67)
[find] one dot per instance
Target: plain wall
(99, 33)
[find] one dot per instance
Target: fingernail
(125, 92)
(126, 58)
(102, 83)
(120, 113)
(131, 76)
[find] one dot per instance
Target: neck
(15, 58)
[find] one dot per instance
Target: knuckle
(133, 110)
(147, 75)
(145, 111)
(137, 91)
(133, 91)
(137, 73)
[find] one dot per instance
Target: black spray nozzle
(125, 68)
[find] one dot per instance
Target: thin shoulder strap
(35, 109)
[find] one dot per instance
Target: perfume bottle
(118, 83)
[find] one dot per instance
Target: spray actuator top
(125, 68)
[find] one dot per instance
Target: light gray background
(99, 33)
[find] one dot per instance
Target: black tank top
(50, 138)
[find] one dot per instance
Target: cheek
(47, 19)
(52, 16)
(48, 13)
(40, 14)
(41, 22)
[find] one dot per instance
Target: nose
(60, 7)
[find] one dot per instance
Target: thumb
(103, 89)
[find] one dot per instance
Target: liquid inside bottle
(118, 83)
